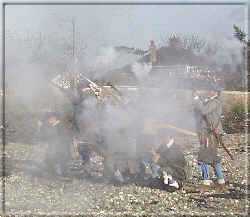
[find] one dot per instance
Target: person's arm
(207, 108)
(156, 156)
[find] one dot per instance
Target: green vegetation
(234, 118)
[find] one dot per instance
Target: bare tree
(193, 42)
(243, 37)
(188, 41)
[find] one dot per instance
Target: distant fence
(186, 71)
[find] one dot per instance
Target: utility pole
(73, 23)
(73, 54)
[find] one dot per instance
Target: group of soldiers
(164, 155)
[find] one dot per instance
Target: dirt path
(29, 189)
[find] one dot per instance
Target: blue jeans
(204, 168)
(154, 167)
(218, 170)
(205, 171)
(85, 157)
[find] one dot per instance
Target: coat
(172, 160)
(208, 124)
(209, 115)
(59, 139)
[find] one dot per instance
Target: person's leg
(117, 175)
(144, 160)
(85, 157)
(219, 173)
(142, 168)
(112, 170)
(169, 180)
(154, 167)
(205, 173)
(84, 152)
(108, 167)
(58, 169)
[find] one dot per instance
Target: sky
(129, 25)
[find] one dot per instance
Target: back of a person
(215, 115)
(173, 160)
(173, 154)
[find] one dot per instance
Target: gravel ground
(30, 190)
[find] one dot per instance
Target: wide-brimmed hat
(50, 114)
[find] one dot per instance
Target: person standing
(59, 138)
(153, 52)
(209, 130)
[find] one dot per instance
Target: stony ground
(30, 190)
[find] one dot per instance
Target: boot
(205, 186)
(221, 185)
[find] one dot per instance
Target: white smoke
(141, 70)
(106, 57)
(229, 51)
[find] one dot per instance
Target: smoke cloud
(141, 70)
(127, 127)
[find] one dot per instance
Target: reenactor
(153, 52)
(169, 156)
(59, 138)
(208, 116)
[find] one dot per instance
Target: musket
(218, 138)
(178, 129)
(148, 126)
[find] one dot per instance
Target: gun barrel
(151, 127)
(181, 130)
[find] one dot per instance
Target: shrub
(234, 116)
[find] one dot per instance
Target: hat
(50, 114)
(214, 87)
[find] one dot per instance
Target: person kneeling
(170, 158)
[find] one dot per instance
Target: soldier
(153, 53)
(210, 129)
(170, 158)
(81, 123)
(59, 138)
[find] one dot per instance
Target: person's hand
(195, 95)
(156, 156)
